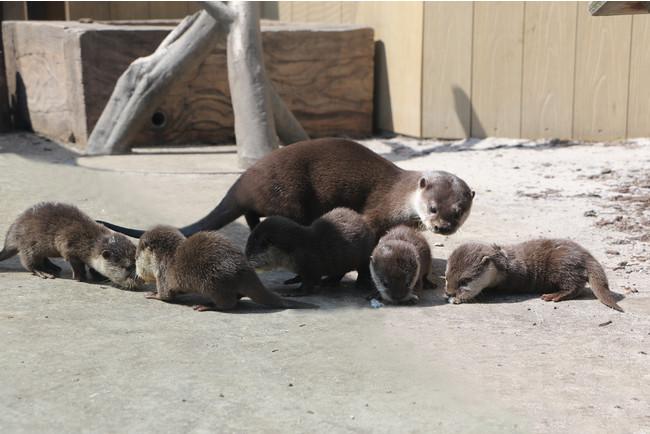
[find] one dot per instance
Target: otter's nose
(444, 230)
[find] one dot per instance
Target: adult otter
(305, 180)
(58, 230)
(558, 269)
(206, 263)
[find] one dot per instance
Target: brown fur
(400, 265)
(206, 263)
(57, 230)
(559, 269)
(305, 180)
(334, 244)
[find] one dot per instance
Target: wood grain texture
(548, 69)
(601, 80)
(638, 114)
(36, 77)
(398, 69)
(95, 10)
(323, 73)
(129, 10)
(324, 77)
(447, 69)
(169, 10)
(497, 69)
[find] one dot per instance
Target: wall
(460, 69)
(509, 69)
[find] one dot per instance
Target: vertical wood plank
(129, 10)
(447, 69)
(398, 68)
(548, 74)
(285, 10)
(601, 82)
(94, 10)
(497, 69)
(638, 114)
(14, 10)
(170, 10)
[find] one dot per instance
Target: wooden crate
(61, 74)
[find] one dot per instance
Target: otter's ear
(423, 182)
(473, 194)
(106, 254)
(485, 260)
(372, 259)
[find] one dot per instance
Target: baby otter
(206, 263)
(400, 264)
(334, 244)
(559, 269)
(57, 230)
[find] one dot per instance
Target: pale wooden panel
(638, 114)
(601, 85)
(170, 10)
(324, 12)
(349, 11)
(497, 69)
(398, 71)
(94, 10)
(129, 10)
(285, 11)
(447, 69)
(548, 75)
(299, 12)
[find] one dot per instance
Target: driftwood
(262, 120)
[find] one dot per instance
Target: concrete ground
(81, 357)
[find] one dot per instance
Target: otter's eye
(463, 282)
(433, 209)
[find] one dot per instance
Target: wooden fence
(509, 69)
(460, 69)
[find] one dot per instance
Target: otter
(58, 230)
(206, 263)
(334, 244)
(305, 180)
(400, 264)
(557, 268)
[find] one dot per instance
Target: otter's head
(155, 248)
(395, 269)
(114, 258)
(471, 268)
(270, 244)
(442, 201)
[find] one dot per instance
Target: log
(145, 83)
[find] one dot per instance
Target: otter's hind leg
(565, 294)
(252, 219)
(220, 301)
(51, 267)
(36, 264)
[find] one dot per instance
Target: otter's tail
(8, 252)
(256, 291)
(135, 233)
(227, 211)
(599, 285)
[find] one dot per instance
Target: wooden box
(61, 74)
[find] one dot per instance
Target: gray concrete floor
(80, 357)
